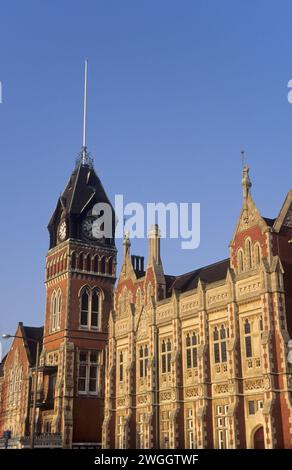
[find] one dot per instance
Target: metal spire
(84, 148)
(84, 157)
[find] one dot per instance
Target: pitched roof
(31, 335)
(83, 186)
(269, 222)
(2, 365)
(208, 274)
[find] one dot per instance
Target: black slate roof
(208, 274)
(269, 222)
(32, 334)
(83, 186)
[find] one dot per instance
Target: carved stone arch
(258, 437)
(82, 288)
(100, 291)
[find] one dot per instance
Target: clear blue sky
(176, 90)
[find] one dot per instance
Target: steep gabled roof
(83, 186)
(208, 274)
(31, 335)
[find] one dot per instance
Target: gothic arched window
(240, 261)
(103, 265)
(56, 299)
(90, 306)
(88, 263)
(84, 308)
(80, 261)
(95, 302)
(220, 344)
(248, 253)
(257, 254)
(95, 264)
(192, 351)
(73, 260)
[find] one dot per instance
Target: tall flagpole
(84, 150)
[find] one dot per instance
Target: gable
(285, 215)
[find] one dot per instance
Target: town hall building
(144, 359)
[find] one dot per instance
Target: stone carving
(166, 313)
(191, 392)
(254, 384)
(221, 388)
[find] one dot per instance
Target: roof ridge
(202, 267)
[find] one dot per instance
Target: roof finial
(84, 148)
(246, 185)
(242, 154)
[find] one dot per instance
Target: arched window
(90, 305)
(166, 356)
(110, 266)
(95, 264)
(240, 261)
(73, 260)
(84, 308)
(95, 301)
(220, 344)
(80, 261)
(103, 265)
(192, 351)
(257, 254)
(88, 263)
(248, 253)
(56, 300)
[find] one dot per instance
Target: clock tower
(80, 277)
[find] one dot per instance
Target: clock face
(62, 231)
(90, 228)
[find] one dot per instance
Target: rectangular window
(216, 353)
(165, 356)
(143, 360)
(248, 348)
(165, 429)
(191, 344)
(222, 426)
(189, 359)
(251, 407)
(121, 433)
(190, 429)
(121, 367)
(88, 372)
(220, 336)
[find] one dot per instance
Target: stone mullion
(130, 368)
(233, 372)
(153, 388)
(267, 367)
(175, 382)
(109, 391)
(68, 395)
(204, 380)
